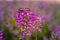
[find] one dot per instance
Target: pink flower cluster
(1, 34)
(26, 20)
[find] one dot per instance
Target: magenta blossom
(27, 20)
(56, 32)
(1, 34)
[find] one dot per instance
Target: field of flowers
(29, 20)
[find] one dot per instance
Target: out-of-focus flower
(10, 8)
(8, 25)
(46, 15)
(1, 14)
(22, 35)
(15, 32)
(42, 4)
(56, 31)
(1, 34)
(51, 26)
(45, 38)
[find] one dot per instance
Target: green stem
(36, 34)
(27, 38)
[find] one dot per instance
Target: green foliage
(7, 34)
(45, 30)
(12, 22)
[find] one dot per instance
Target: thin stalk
(36, 35)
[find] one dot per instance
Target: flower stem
(36, 34)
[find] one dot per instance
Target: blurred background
(49, 10)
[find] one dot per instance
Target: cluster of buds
(56, 32)
(27, 21)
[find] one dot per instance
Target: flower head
(1, 34)
(56, 32)
(26, 22)
(26, 19)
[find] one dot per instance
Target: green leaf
(12, 22)
(45, 30)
